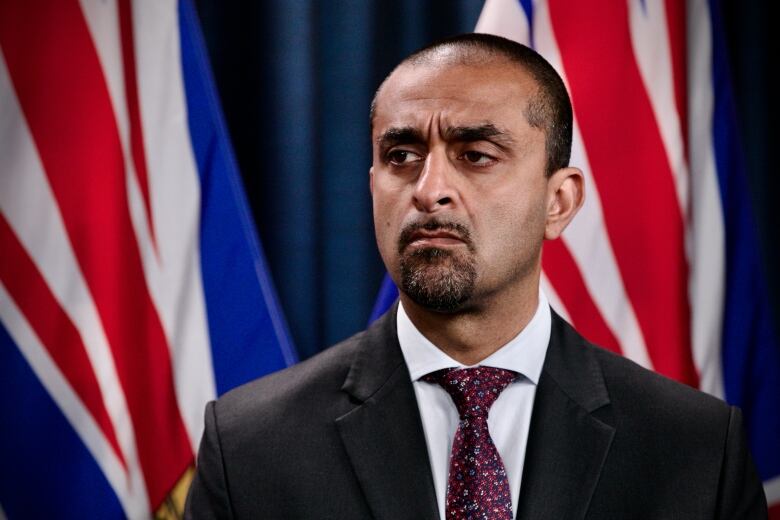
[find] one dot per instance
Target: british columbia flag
(661, 264)
(132, 286)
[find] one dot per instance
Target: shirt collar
(523, 354)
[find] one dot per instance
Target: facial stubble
(438, 279)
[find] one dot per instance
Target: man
(470, 398)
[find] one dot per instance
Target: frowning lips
(434, 233)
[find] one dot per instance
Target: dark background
(296, 77)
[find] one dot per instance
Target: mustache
(434, 224)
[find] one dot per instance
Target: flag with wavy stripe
(132, 285)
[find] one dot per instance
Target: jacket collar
(567, 444)
(383, 434)
(384, 439)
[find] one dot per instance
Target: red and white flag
(661, 264)
(132, 286)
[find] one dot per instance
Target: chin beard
(438, 279)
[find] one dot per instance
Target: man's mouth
(434, 234)
(438, 238)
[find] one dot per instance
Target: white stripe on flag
(772, 491)
(650, 42)
(174, 187)
(706, 228)
(555, 301)
(31, 210)
(504, 18)
(132, 494)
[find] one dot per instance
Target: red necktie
(477, 485)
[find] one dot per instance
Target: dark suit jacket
(339, 436)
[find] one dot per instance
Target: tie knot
(473, 390)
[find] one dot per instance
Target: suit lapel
(383, 435)
(567, 445)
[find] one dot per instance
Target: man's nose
(434, 189)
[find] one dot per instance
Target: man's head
(471, 139)
(549, 109)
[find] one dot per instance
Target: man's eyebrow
(467, 134)
(486, 132)
(400, 135)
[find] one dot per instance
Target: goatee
(438, 279)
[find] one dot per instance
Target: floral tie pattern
(478, 487)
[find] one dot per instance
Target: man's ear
(565, 195)
(371, 180)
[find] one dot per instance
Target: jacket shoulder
(633, 387)
(595, 376)
(311, 386)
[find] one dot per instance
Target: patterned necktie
(477, 485)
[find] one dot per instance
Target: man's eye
(402, 157)
(477, 158)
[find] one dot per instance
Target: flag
(661, 264)
(133, 288)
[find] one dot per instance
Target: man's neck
(474, 334)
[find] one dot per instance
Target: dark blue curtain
(296, 78)
(752, 38)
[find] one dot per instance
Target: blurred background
(296, 78)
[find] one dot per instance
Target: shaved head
(549, 109)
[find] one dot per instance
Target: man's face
(458, 183)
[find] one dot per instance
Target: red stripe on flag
(57, 76)
(133, 109)
(774, 512)
(676, 22)
(566, 279)
(53, 327)
(632, 173)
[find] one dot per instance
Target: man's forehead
(457, 78)
(457, 94)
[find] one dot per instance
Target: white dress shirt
(510, 416)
